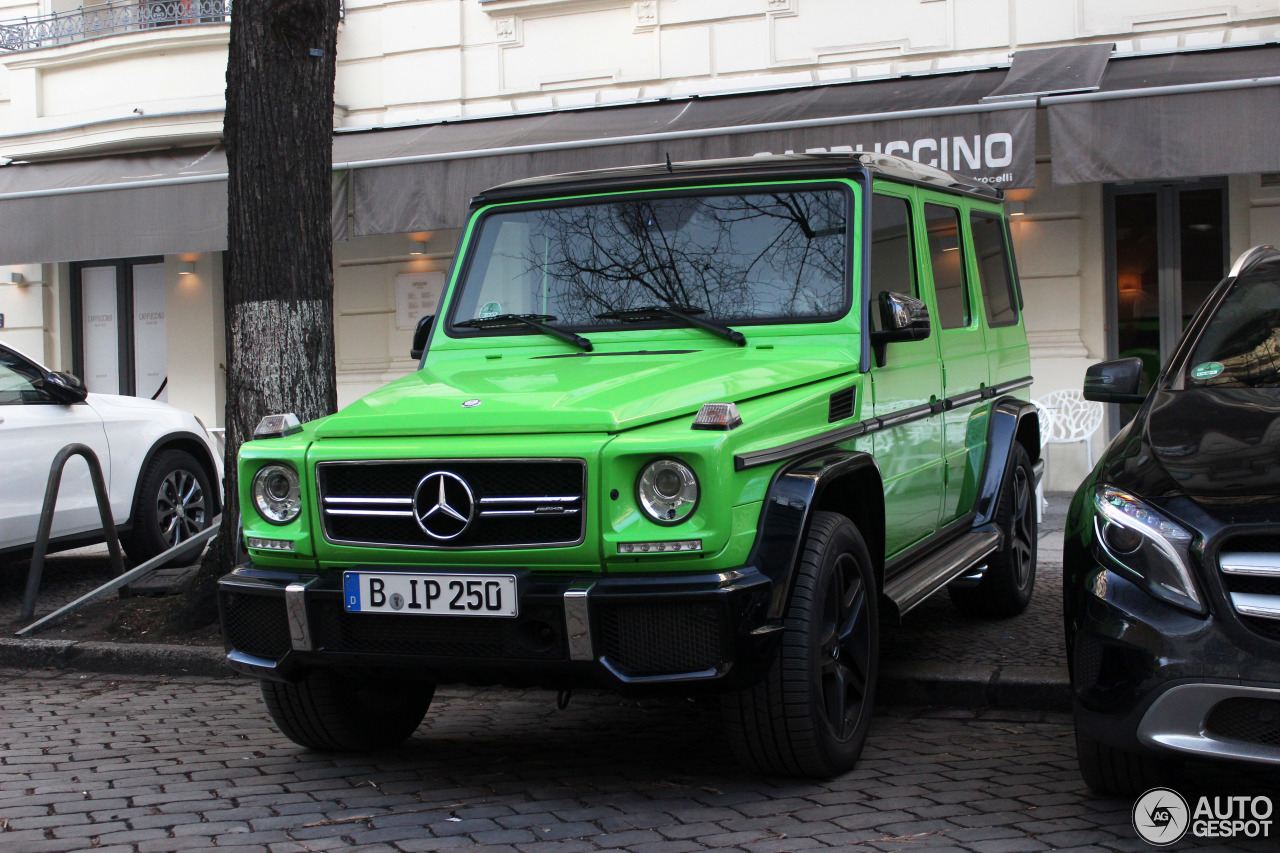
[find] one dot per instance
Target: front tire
(1006, 587)
(810, 715)
(1116, 772)
(174, 502)
(334, 713)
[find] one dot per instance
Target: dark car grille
(1250, 720)
(661, 639)
(256, 624)
(514, 503)
(536, 635)
(1250, 571)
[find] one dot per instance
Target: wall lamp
(187, 268)
(418, 247)
(1016, 208)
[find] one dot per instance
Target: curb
(1035, 688)
(1038, 688)
(121, 658)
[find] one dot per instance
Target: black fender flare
(191, 443)
(1010, 418)
(789, 504)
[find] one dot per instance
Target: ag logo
(1161, 817)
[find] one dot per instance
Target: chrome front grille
(453, 504)
(1252, 579)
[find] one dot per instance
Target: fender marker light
(275, 426)
(659, 547)
(717, 416)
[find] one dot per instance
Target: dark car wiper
(533, 321)
(683, 313)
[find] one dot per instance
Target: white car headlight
(667, 491)
(1146, 543)
(277, 493)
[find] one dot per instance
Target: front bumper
(1153, 679)
(633, 633)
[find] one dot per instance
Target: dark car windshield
(731, 258)
(1240, 346)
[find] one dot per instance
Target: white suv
(162, 468)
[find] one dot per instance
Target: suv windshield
(1240, 346)
(746, 257)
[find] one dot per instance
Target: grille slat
(518, 503)
(1249, 567)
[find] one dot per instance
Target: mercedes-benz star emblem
(443, 505)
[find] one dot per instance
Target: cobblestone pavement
(147, 765)
(934, 631)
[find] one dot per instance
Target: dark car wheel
(1006, 586)
(330, 712)
(809, 716)
(1118, 773)
(173, 503)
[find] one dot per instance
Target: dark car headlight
(1145, 544)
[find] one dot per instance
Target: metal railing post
(46, 520)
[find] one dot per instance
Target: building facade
(1132, 137)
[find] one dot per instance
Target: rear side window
(946, 256)
(892, 267)
(993, 269)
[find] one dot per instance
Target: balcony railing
(104, 19)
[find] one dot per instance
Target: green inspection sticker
(1208, 370)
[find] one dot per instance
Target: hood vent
(841, 405)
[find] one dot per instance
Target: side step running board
(935, 570)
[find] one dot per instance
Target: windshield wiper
(533, 321)
(683, 313)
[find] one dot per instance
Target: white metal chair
(1072, 418)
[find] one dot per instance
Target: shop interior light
(660, 547)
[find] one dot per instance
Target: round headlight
(667, 491)
(277, 494)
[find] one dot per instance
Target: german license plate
(429, 594)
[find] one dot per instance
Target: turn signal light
(717, 416)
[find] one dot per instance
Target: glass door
(1166, 249)
(119, 339)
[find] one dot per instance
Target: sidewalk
(936, 657)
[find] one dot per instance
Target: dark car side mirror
(1114, 381)
(420, 335)
(904, 318)
(65, 388)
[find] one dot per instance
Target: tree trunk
(278, 295)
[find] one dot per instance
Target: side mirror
(1114, 381)
(904, 318)
(65, 388)
(420, 335)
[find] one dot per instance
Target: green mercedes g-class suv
(694, 427)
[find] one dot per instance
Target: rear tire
(1006, 587)
(1118, 773)
(334, 713)
(810, 714)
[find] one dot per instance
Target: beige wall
(371, 348)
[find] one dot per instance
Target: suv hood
(601, 392)
(1215, 443)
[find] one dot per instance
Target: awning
(1175, 116)
(114, 207)
(421, 178)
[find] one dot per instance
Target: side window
(990, 246)
(892, 267)
(946, 256)
(19, 382)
